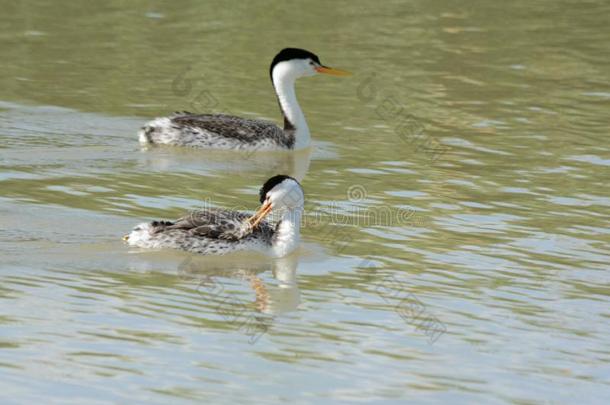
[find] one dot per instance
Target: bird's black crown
(292, 53)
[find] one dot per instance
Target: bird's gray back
(211, 231)
(217, 131)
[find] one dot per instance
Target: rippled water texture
(455, 245)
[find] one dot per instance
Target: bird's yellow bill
(259, 215)
(332, 71)
(125, 238)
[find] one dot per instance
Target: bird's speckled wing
(229, 126)
(216, 131)
(214, 224)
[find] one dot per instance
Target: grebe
(218, 231)
(220, 131)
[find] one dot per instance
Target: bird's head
(280, 192)
(292, 63)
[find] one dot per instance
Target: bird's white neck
(294, 119)
(287, 233)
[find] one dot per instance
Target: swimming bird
(221, 131)
(217, 231)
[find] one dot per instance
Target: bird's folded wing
(215, 224)
(227, 125)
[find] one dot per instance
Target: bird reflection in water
(213, 281)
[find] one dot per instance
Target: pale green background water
(503, 239)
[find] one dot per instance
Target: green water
(456, 241)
